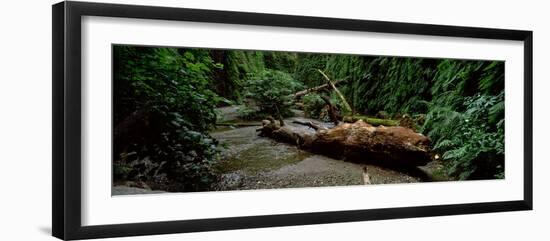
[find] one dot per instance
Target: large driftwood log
(397, 146)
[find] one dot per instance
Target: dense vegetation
(165, 100)
(163, 109)
(459, 104)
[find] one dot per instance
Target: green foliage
(460, 102)
(391, 84)
(236, 66)
(373, 84)
(190, 157)
(472, 145)
(463, 101)
(282, 61)
(313, 104)
(241, 65)
(172, 87)
(272, 92)
(465, 121)
(306, 69)
(315, 107)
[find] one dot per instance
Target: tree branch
(346, 104)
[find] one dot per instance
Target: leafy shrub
(163, 109)
(240, 65)
(189, 159)
(472, 141)
(466, 117)
(272, 90)
(313, 104)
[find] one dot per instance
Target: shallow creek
(249, 161)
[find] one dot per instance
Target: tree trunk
(361, 142)
(344, 101)
(332, 111)
(322, 87)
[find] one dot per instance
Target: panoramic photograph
(198, 119)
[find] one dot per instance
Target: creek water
(249, 161)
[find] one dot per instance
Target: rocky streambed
(249, 161)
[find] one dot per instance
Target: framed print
(169, 120)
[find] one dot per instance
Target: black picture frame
(66, 198)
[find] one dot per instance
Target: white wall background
(25, 119)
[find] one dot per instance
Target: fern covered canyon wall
(191, 119)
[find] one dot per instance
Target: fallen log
(319, 88)
(361, 142)
(310, 124)
(333, 112)
(344, 101)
